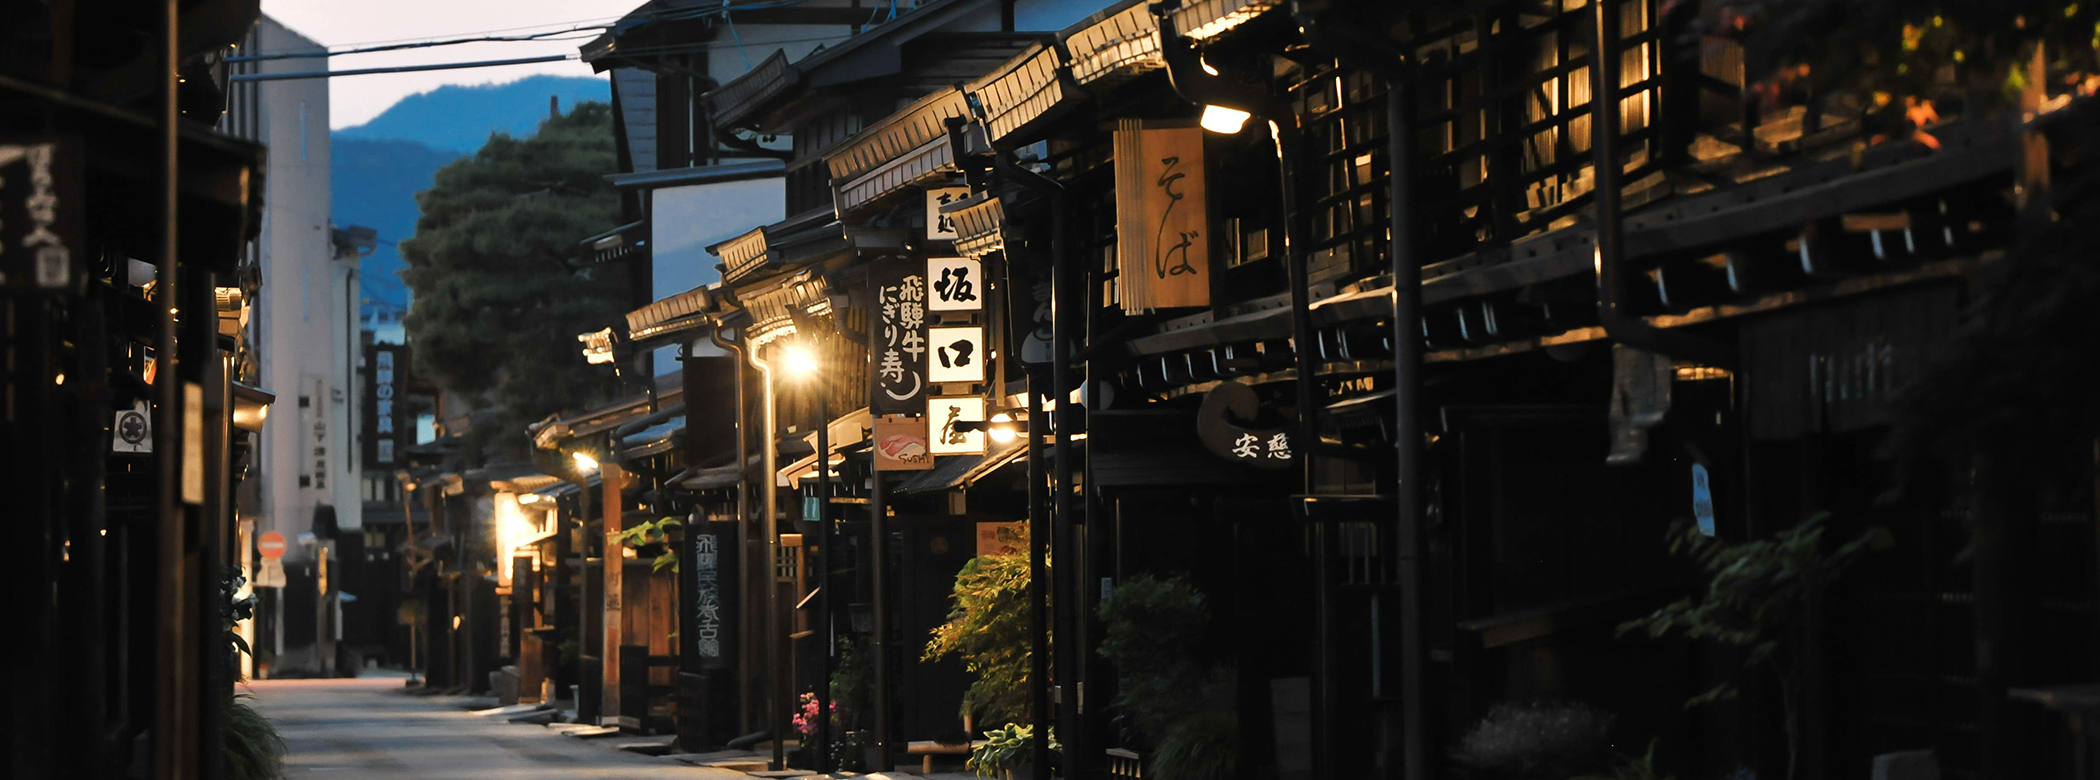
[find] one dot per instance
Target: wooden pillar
(612, 481)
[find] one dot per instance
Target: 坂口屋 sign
(958, 352)
(941, 416)
(955, 284)
(900, 350)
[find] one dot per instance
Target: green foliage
(1536, 740)
(649, 532)
(233, 609)
(497, 304)
(1757, 594)
(1153, 631)
(1631, 768)
(1006, 748)
(1911, 48)
(853, 679)
(251, 747)
(988, 628)
(1202, 745)
(1168, 696)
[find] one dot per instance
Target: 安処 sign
(958, 354)
(941, 416)
(899, 350)
(938, 226)
(954, 284)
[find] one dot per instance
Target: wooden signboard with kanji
(1162, 217)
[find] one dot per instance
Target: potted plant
(1007, 752)
(250, 746)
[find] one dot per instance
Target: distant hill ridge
(460, 118)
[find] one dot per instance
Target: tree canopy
(497, 302)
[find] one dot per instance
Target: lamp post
(801, 362)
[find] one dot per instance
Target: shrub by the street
(252, 748)
(1169, 697)
(1536, 740)
(1759, 595)
(988, 629)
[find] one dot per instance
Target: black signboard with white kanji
(40, 215)
(898, 377)
(708, 569)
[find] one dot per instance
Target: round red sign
(271, 545)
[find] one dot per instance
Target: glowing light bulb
(1219, 119)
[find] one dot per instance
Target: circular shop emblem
(131, 427)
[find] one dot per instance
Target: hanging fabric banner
(898, 376)
(1162, 217)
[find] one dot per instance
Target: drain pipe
(1199, 84)
(743, 513)
(1620, 325)
(1355, 50)
(1039, 499)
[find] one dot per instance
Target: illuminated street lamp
(584, 462)
(803, 362)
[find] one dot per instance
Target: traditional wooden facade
(1408, 362)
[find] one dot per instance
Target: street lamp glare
(799, 360)
(1219, 119)
(1002, 428)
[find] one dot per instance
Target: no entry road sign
(271, 545)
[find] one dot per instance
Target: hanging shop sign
(1224, 423)
(941, 227)
(941, 416)
(957, 284)
(1001, 538)
(40, 215)
(899, 374)
(901, 445)
(958, 352)
(132, 430)
(1162, 217)
(384, 423)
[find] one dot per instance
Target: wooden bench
(928, 749)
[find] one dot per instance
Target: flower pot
(1022, 771)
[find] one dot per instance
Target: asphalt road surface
(366, 728)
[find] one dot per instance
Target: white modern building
(305, 327)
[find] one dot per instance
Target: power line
(326, 74)
(296, 55)
(489, 36)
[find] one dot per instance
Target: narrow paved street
(367, 729)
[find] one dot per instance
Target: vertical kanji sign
(938, 226)
(954, 284)
(900, 350)
(958, 354)
(41, 210)
(1162, 217)
(941, 416)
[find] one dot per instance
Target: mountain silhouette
(460, 118)
(377, 168)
